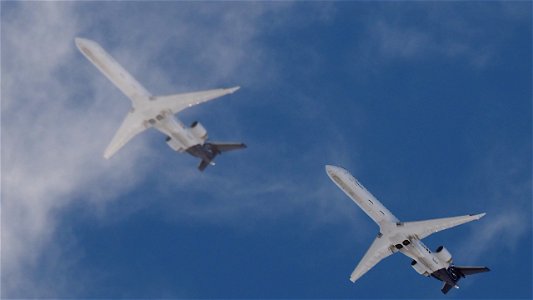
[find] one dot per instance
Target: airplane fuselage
(180, 137)
(172, 127)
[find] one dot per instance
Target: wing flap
(379, 250)
(130, 127)
(179, 102)
(425, 228)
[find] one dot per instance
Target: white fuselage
(171, 126)
(390, 226)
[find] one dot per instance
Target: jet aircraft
(405, 237)
(157, 111)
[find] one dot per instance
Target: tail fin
(471, 270)
(446, 288)
(215, 148)
(458, 272)
(203, 164)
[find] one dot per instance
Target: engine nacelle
(175, 145)
(198, 130)
(443, 255)
(419, 268)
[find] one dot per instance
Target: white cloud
(59, 113)
(504, 183)
(51, 141)
(506, 228)
(443, 31)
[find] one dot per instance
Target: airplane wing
(379, 250)
(113, 71)
(423, 229)
(132, 125)
(179, 102)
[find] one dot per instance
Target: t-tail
(208, 151)
(453, 274)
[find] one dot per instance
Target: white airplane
(405, 237)
(157, 111)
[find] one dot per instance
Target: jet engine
(198, 130)
(443, 255)
(172, 143)
(419, 268)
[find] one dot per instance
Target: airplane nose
(82, 43)
(79, 41)
(331, 169)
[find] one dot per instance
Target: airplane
(405, 237)
(157, 111)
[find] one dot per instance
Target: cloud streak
(59, 113)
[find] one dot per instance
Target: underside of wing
(179, 102)
(132, 125)
(423, 229)
(379, 250)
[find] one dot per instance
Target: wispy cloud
(58, 114)
(506, 182)
(51, 141)
(443, 31)
(507, 228)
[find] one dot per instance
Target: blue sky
(428, 104)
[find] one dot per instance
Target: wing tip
(233, 89)
(478, 216)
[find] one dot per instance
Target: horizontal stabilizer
(225, 147)
(471, 270)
